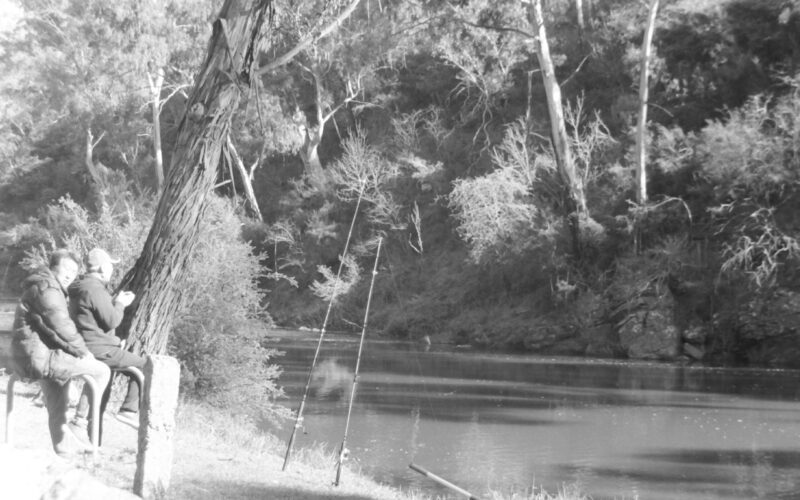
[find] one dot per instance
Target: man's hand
(125, 298)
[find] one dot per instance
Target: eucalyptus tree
(242, 29)
(333, 74)
(169, 40)
(644, 87)
(488, 41)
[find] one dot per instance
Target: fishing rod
(442, 481)
(298, 422)
(343, 450)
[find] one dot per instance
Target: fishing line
(299, 418)
(343, 452)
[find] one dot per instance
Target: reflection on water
(331, 380)
(504, 422)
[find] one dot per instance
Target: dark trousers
(115, 358)
(56, 393)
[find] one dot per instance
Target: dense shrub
(500, 214)
(218, 333)
(752, 167)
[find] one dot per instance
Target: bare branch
(501, 29)
(576, 70)
(246, 179)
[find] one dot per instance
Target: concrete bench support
(157, 427)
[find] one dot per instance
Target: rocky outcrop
(773, 315)
(601, 341)
(769, 329)
(691, 314)
(649, 331)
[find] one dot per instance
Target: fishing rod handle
(444, 482)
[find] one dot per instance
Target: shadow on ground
(208, 490)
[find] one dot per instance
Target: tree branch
(576, 70)
(501, 29)
(307, 41)
(246, 179)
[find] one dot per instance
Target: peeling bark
(574, 197)
(223, 79)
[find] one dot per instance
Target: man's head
(65, 266)
(99, 262)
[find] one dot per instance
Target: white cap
(98, 258)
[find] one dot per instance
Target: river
(512, 422)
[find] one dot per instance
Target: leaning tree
(224, 77)
(230, 68)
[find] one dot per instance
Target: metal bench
(95, 394)
(138, 377)
(94, 391)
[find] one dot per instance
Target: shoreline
(216, 455)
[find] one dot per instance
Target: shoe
(80, 429)
(71, 446)
(128, 418)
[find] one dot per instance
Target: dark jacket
(42, 326)
(95, 313)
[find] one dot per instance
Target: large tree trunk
(223, 78)
(573, 186)
(641, 129)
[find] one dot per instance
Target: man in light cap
(96, 314)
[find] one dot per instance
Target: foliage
(752, 165)
(335, 285)
(218, 334)
(283, 234)
(745, 157)
(363, 172)
(67, 224)
(760, 248)
(436, 116)
(484, 41)
(498, 213)
(590, 141)
(70, 67)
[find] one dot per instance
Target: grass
(219, 456)
(315, 465)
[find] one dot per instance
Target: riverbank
(216, 456)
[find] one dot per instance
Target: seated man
(96, 314)
(46, 346)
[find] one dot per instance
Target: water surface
(510, 422)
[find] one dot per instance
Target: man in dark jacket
(47, 347)
(96, 315)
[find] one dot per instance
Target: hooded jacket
(42, 326)
(95, 313)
